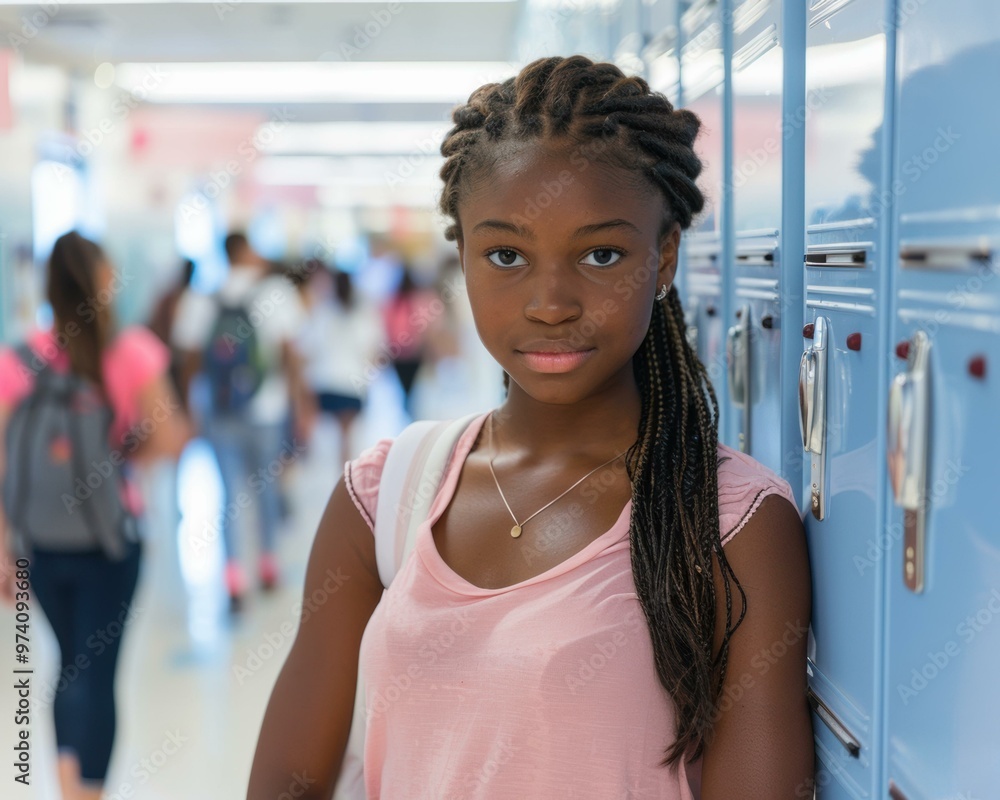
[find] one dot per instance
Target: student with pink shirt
(84, 588)
(585, 608)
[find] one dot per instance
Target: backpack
(411, 475)
(62, 490)
(233, 359)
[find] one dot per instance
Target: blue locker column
(847, 265)
(702, 79)
(941, 550)
(766, 278)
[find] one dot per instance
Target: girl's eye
(506, 258)
(603, 257)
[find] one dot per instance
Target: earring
(662, 293)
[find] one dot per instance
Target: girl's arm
(308, 717)
(763, 742)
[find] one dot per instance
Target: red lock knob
(808, 330)
(903, 350)
(977, 367)
(854, 341)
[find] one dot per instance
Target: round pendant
(515, 531)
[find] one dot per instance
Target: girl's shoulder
(362, 476)
(744, 482)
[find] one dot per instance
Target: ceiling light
(314, 82)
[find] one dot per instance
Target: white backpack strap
(410, 478)
(414, 467)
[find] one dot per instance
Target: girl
(85, 591)
(619, 639)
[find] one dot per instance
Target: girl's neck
(596, 427)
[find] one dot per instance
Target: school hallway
(193, 682)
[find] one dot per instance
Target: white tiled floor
(188, 717)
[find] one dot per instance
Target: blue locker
(702, 74)
(942, 557)
(753, 344)
(846, 268)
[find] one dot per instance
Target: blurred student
(80, 404)
(339, 344)
(408, 315)
(241, 340)
(161, 320)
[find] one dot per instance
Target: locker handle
(812, 413)
(738, 341)
(907, 445)
(906, 450)
(836, 258)
(807, 365)
(945, 256)
(837, 728)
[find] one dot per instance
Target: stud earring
(662, 293)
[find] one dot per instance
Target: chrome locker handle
(812, 414)
(738, 358)
(734, 347)
(907, 445)
(807, 366)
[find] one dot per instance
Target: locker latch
(907, 451)
(812, 413)
(738, 359)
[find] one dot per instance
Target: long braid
(673, 465)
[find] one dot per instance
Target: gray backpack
(62, 486)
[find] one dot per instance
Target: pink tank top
(545, 689)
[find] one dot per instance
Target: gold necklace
(516, 530)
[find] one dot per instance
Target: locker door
(702, 307)
(846, 269)
(754, 343)
(701, 81)
(942, 557)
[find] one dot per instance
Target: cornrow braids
(673, 465)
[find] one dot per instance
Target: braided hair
(674, 528)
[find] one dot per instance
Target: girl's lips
(553, 362)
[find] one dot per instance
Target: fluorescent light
(315, 81)
(389, 174)
(357, 138)
(205, 2)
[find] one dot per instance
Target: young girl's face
(563, 257)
